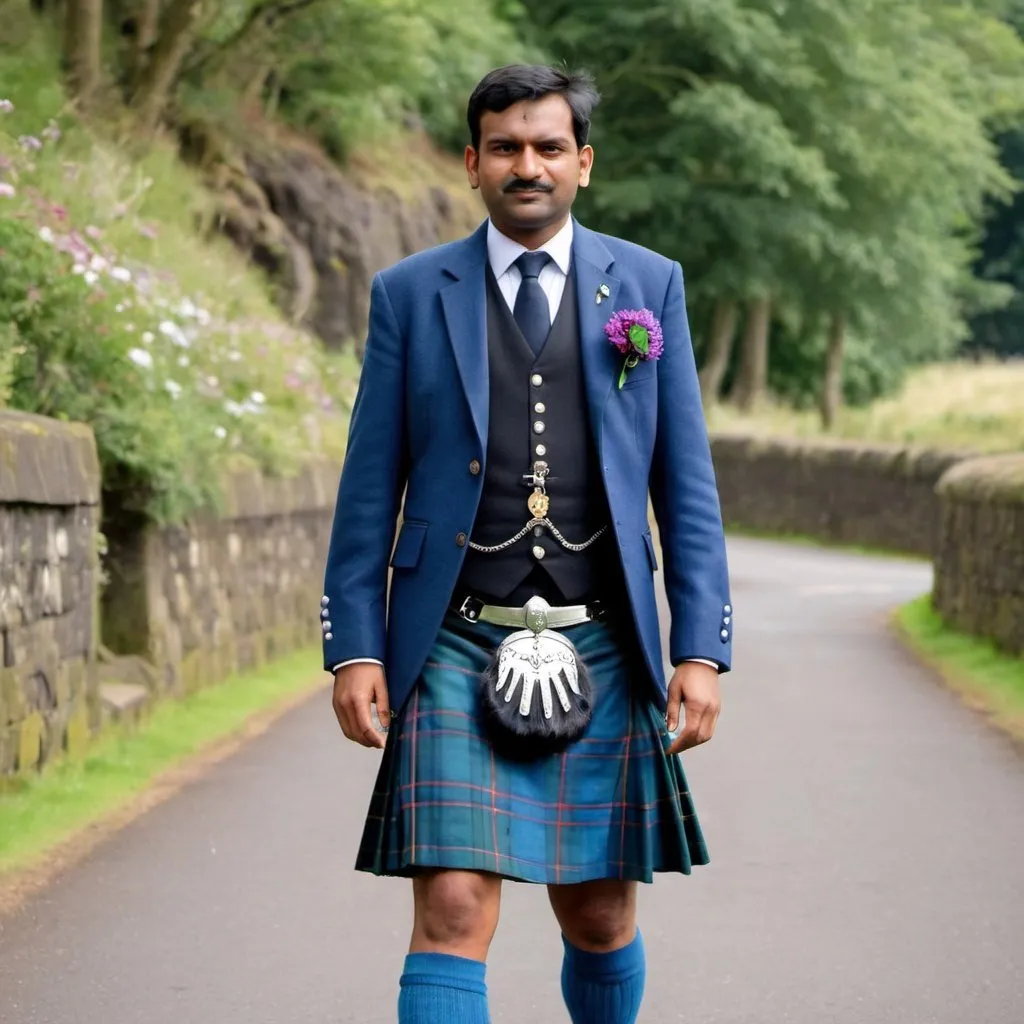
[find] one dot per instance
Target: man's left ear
(472, 158)
(586, 164)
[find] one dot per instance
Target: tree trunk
(752, 380)
(176, 33)
(723, 333)
(832, 378)
(83, 34)
(147, 26)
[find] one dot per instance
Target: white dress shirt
(502, 254)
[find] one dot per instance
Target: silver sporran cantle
(537, 693)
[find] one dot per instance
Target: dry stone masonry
(49, 514)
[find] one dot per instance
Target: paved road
(867, 836)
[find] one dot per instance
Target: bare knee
(457, 911)
(596, 916)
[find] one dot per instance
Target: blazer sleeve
(354, 604)
(685, 499)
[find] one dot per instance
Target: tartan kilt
(613, 805)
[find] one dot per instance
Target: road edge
(970, 686)
(17, 885)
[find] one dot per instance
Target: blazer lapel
(465, 312)
(601, 362)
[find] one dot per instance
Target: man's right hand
(356, 688)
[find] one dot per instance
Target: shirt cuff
(702, 661)
(357, 661)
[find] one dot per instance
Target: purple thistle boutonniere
(636, 333)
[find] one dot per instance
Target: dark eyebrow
(507, 140)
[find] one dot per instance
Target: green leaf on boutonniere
(631, 361)
(639, 338)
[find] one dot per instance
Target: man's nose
(528, 166)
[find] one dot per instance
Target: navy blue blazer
(420, 421)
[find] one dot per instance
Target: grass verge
(985, 677)
(51, 819)
(808, 541)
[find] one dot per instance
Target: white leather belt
(536, 615)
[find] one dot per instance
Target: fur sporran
(537, 695)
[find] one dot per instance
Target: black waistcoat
(538, 401)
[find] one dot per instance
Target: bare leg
(596, 916)
(604, 968)
(456, 912)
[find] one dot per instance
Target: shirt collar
(502, 252)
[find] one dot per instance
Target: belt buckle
(470, 608)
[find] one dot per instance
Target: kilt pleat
(613, 805)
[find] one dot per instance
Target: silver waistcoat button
(538, 427)
(536, 380)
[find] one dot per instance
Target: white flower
(234, 408)
(121, 274)
(183, 361)
(140, 357)
(171, 330)
(213, 382)
(6, 107)
(91, 277)
(187, 308)
(172, 387)
(7, 191)
(46, 234)
(98, 263)
(203, 317)
(220, 432)
(119, 308)
(258, 397)
(234, 355)
(78, 269)
(148, 337)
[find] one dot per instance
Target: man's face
(528, 167)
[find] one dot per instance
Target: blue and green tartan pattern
(614, 805)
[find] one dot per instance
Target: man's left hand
(695, 687)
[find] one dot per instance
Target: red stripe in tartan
(593, 741)
(410, 852)
(469, 805)
(550, 804)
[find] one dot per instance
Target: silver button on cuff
(538, 551)
(727, 609)
(324, 601)
(724, 635)
(536, 380)
(328, 636)
(326, 626)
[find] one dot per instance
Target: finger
(692, 715)
(380, 698)
(342, 716)
(675, 697)
(364, 731)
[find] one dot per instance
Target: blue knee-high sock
(604, 988)
(440, 989)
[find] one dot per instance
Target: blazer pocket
(651, 555)
(640, 375)
(410, 545)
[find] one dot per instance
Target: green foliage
(358, 71)
(836, 157)
(178, 385)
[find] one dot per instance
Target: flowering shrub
(175, 389)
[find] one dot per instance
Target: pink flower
(6, 107)
(7, 191)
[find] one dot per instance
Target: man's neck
(532, 240)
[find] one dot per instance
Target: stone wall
(225, 592)
(846, 492)
(979, 564)
(49, 512)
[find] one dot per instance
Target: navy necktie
(532, 312)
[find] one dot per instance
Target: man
(526, 445)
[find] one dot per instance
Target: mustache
(521, 185)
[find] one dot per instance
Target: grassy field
(986, 678)
(962, 405)
(40, 813)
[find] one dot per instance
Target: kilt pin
(613, 804)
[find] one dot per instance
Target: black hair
(500, 89)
